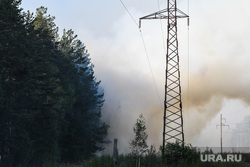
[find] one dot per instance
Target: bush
(102, 161)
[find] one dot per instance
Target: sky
(214, 64)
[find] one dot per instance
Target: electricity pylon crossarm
(172, 120)
(163, 14)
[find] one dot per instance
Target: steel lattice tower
(173, 120)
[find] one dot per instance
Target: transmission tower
(173, 120)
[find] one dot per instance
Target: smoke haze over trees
(50, 100)
(218, 46)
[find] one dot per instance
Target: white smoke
(218, 68)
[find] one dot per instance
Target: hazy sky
(214, 68)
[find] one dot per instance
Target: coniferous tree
(14, 60)
(50, 101)
(86, 132)
(47, 91)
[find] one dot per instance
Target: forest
(51, 102)
(50, 99)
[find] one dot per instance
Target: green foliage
(102, 161)
(154, 159)
(182, 155)
(139, 143)
(124, 160)
(179, 152)
(50, 101)
(45, 23)
(82, 142)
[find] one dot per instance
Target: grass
(190, 157)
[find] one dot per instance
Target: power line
(233, 131)
(162, 32)
(188, 70)
(239, 123)
(146, 52)
(151, 68)
(158, 2)
(236, 112)
(221, 125)
(129, 13)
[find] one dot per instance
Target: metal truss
(173, 120)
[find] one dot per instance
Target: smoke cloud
(217, 68)
(241, 135)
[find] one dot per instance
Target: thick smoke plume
(217, 68)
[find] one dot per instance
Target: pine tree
(14, 59)
(50, 101)
(85, 132)
(51, 95)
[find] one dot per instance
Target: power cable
(188, 70)
(129, 13)
(236, 112)
(238, 123)
(243, 131)
(146, 52)
(162, 32)
(151, 69)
